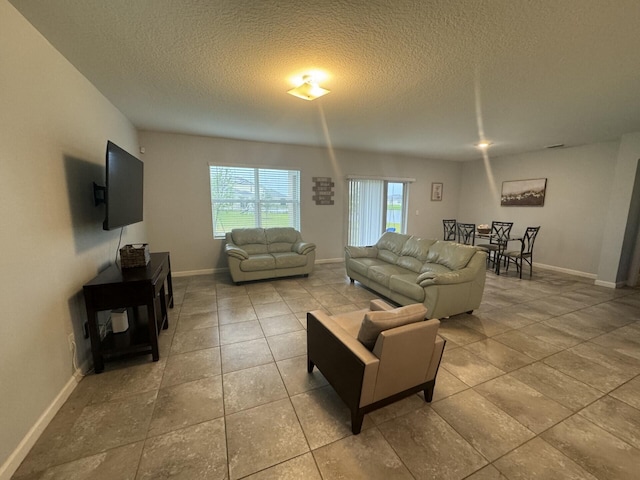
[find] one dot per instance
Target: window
(253, 197)
(376, 206)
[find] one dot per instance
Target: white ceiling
(412, 77)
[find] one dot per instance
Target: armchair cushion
(378, 321)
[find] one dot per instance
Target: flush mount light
(483, 145)
(308, 89)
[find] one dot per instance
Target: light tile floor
(542, 381)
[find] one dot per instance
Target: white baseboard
(599, 283)
(9, 467)
(602, 283)
(568, 271)
(207, 271)
(329, 260)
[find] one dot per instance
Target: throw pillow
(379, 321)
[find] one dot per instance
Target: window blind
(244, 197)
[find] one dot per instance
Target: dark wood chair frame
(500, 233)
(449, 229)
(526, 251)
(345, 372)
(466, 233)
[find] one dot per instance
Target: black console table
(130, 288)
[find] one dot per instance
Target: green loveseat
(447, 277)
(259, 253)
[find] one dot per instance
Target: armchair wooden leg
(357, 418)
(428, 393)
(310, 366)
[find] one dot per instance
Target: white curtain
(365, 211)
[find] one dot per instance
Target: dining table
(502, 246)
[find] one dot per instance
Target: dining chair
(498, 239)
(467, 233)
(449, 230)
(526, 251)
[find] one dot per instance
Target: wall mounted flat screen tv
(123, 194)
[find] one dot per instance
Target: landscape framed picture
(524, 193)
(436, 192)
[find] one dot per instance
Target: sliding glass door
(375, 206)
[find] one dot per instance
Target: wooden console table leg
(153, 327)
(169, 282)
(94, 335)
(163, 310)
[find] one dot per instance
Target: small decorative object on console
(132, 256)
(484, 228)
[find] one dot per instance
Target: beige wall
(53, 130)
(620, 227)
(179, 205)
(576, 209)
(54, 126)
(581, 184)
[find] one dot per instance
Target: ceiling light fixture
(308, 89)
(483, 145)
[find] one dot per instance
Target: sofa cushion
(279, 247)
(410, 263)
(407, 286)
(289, 260)
(434, 268)
(376, 322)
(387, 256)
(392, 242)
(281, 235)
(449, 254)
(382, 273)
(417, 248)
(257, 263)
(244, 236)
(361, 265)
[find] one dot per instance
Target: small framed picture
(436, 192)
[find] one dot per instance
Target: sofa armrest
(356, 252)
(303, 247)
(347, 364)
(450, 278)
(235, 251)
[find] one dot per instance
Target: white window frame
(293, 199)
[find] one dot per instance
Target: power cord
(119, 242)
(74, 361)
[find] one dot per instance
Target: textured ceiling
(414, 77)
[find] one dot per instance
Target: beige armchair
(403, 359)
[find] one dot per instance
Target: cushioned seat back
(252, 240)
(451, 255)
(281, 239)
(405, 355)
(414, 253)
(390, 246)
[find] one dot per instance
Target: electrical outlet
(71, 341)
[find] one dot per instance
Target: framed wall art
(524, 193)
(436, 192)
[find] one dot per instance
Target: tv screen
(123, 194)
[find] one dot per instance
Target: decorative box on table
(133, 256)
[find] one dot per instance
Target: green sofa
(259, 253)
(447, 277)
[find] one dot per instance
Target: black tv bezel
(117, 153)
